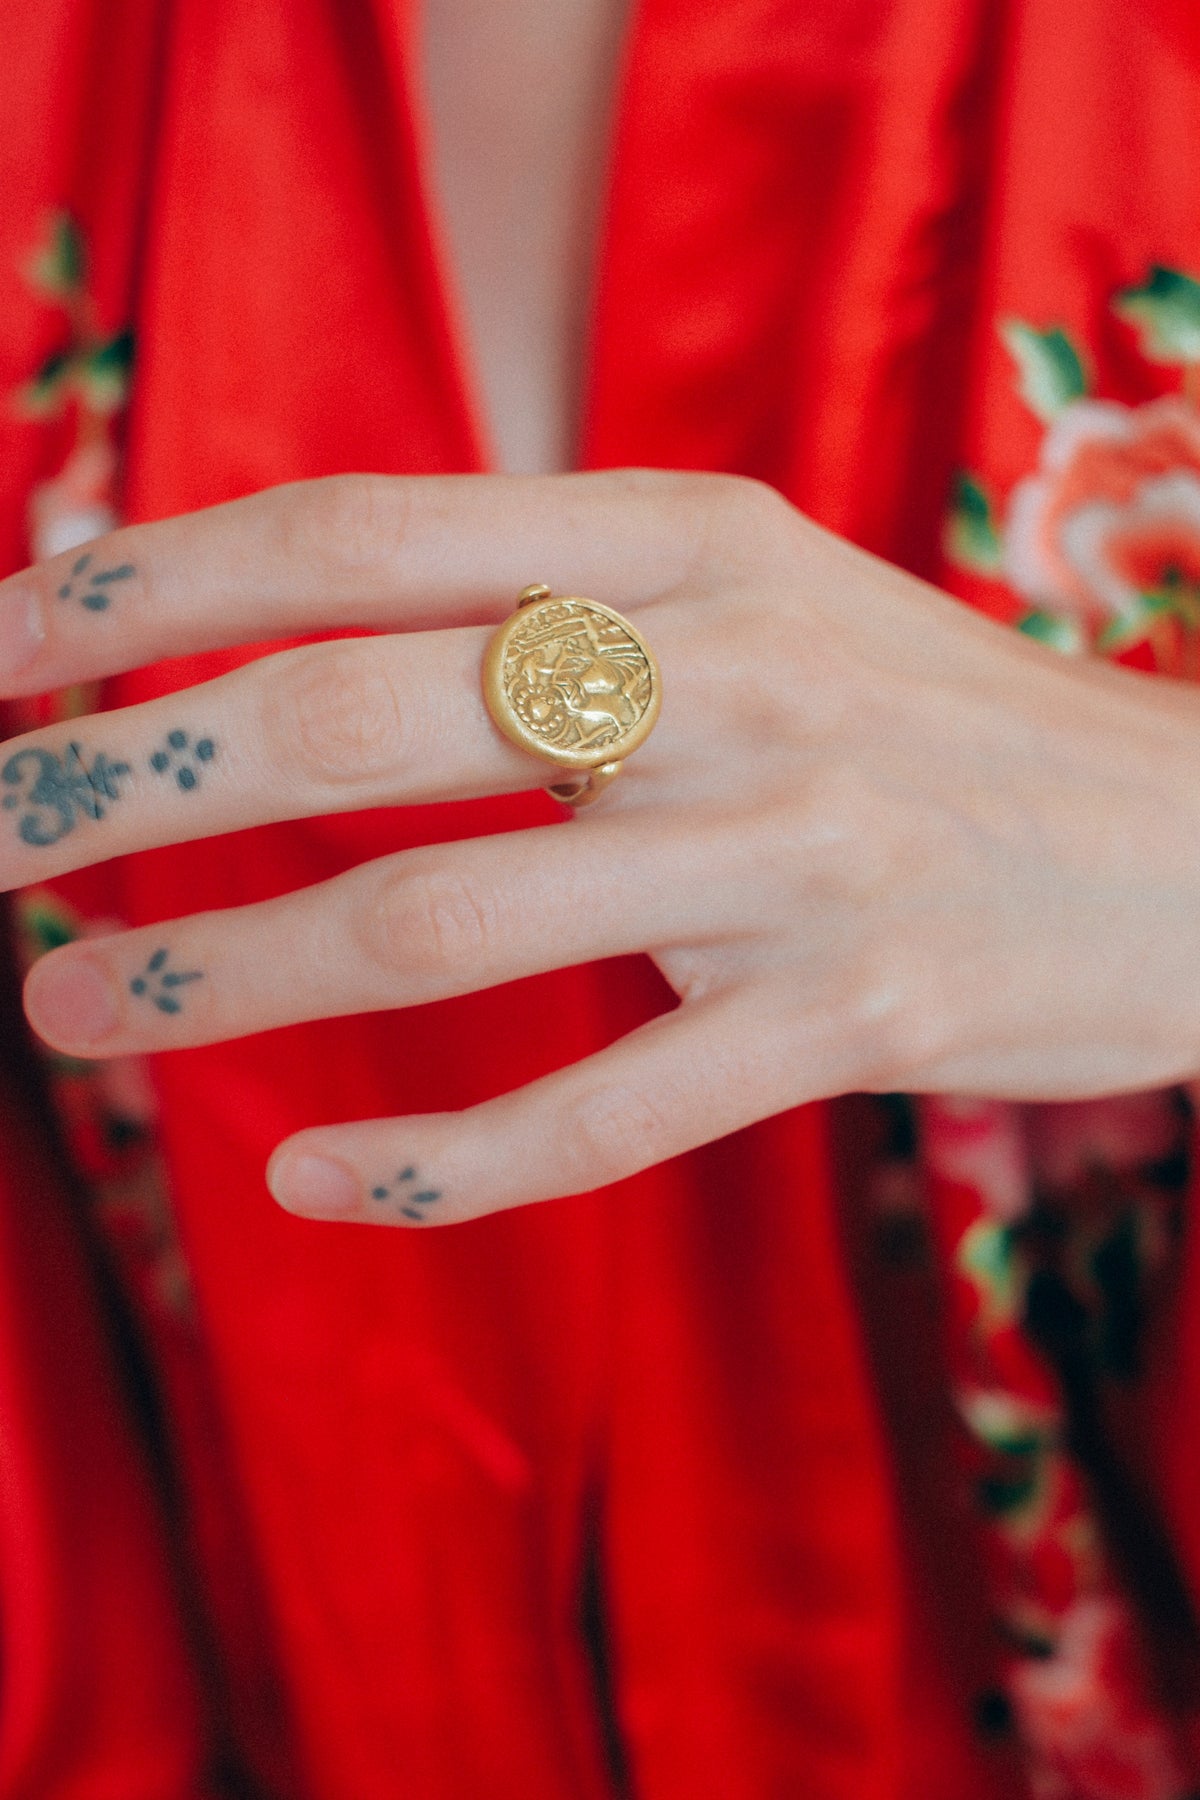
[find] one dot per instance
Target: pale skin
(519, 99)
(874, 843)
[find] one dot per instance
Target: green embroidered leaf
(1000, 1495)
(1033, 1644)
(1006, 1423)
(58, 268)
(48, 928)
(971, 539)
(42, 397)
(1050, 368)
(104, 373)
(1054, 629)
(1025, 1443)
(1177, 594)
(985, 1256)
(1166, 313)
(1129, 628)
(1120, 633)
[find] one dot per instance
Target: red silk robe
(621, 1494)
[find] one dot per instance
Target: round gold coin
(571, 681)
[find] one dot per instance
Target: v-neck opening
(443, 273)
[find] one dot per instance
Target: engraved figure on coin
(575, 678)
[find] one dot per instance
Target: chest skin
(518, 107)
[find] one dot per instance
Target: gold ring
(572, 682)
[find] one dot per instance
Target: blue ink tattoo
(180, 758)
(408, 1195)
(92, 590)
(161, 984)
(58, 791)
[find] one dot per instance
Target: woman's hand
(875, 842)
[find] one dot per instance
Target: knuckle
(755, 501)
(634, 482)
(765, 678)
(681, 503)
(713, 500)
(901, 1017)
(611, 1133)
(706, 510)
(332, 716)
(844, 831)
(429, 920)
(346, 523)
(741, 517)
(364, 516)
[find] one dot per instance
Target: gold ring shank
(573, 683)
(588, 788)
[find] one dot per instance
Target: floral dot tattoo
(179, 757)
(92, 587)
(161, 985)
(407, 1195)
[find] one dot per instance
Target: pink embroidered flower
(1102, 544)
(1113, 513)
(979, 1142)
(1068, 1138)
(1077, 1708)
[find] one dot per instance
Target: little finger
(684, 1079)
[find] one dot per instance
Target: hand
(874, 843)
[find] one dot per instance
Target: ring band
(574, 683)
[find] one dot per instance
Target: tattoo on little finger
(408, 1194)
(162, 986)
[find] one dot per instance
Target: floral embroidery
(107, 1109)
(1059, 1225)
(108, 1114)
(1060, 1222)
(93, 367)
(87, 377)
(1102, 542)
(87, 380)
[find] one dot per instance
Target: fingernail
(22, 630)
(71, 1002)
(315, 1186)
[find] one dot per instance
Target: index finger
(391, 552)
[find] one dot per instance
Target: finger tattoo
(53, 792)
(90, 586)
(161, 985)
(178, 756)
(407, 1193)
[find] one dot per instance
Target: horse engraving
(575, 678)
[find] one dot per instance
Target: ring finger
(419, 926)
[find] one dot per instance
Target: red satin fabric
(401, 1453)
